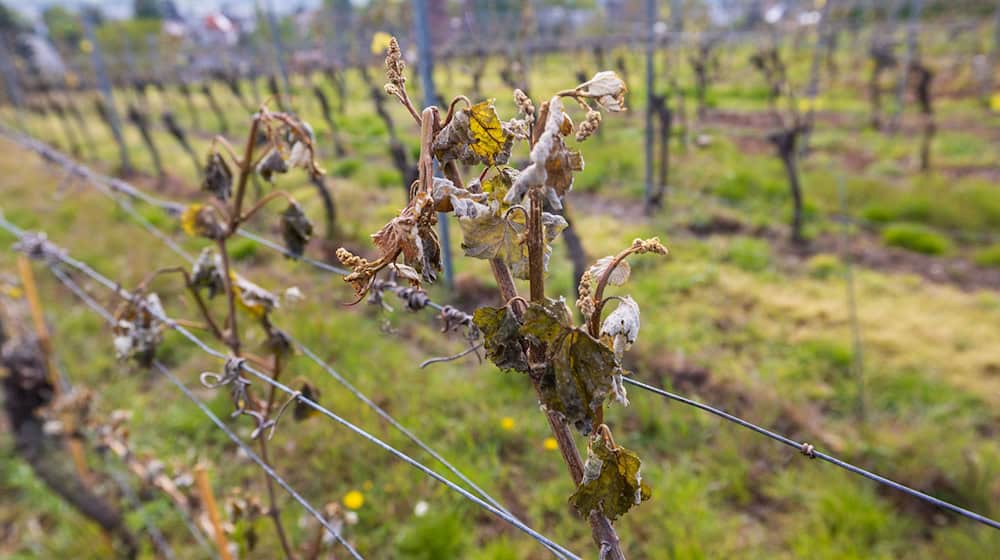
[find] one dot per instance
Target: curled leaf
(475, 135)
(552, 162)
(201, 220)
(411, 235)
(218, 177)
(296, 229)
(606, 88)
(612, 482)
(617, 277)
(580, 371)
(255, 300)
(138, 330)
(303, 411)
(618, 332)
(272, 163)
(501, 338)
(621, 327)
(207, 273)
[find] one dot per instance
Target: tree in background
(64, 27)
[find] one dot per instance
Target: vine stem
(602, 282)
(263, 202)
(602, 531)
(233, 337)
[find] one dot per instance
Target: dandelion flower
(550, 444)
(507, 423)
(354, 499)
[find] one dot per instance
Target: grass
(916, 238)
(772, 337)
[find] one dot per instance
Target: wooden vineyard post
(208, 503)
(73, 444)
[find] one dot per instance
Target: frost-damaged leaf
(618, 276)
(296, 229)
(207, 273)
(489, 233)
(501, 337)
(203, 221)
(303, 411)
(552, 163)
(272, 163)
(580, 370)
(612, 482)
(488, 132)
(621, 327)
(256, 300)
(474, 136)
(606, 88)
(499, 184)
(618, 332)
(218, 177)
(139, 330)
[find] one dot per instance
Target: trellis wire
(55, 255)
(805, 448)
(103, 312)
(149, 226)
(90, 302)
(809, 451)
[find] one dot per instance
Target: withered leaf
(552, 163)
(303, 411)
(201, 220)
(272, 163)
(218, 177)
(621, 327)
(501, 338)
(580, 370)
(207, 273)
(474, 136)
(487, 131)
(612, 482)
(497, 186)
(255, 300)
(607, 89)
(296, 229)
(618, 276)
(488, 233)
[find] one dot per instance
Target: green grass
(989, 256)
(915, 238)
(772, 336)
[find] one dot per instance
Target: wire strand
(55, 253)
(151, 228)
(101, 310)
(811, 452)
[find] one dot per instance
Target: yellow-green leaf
(612, 482)
(487, 131)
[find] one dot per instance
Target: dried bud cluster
(394, 65)
(589, 126)
(524, 103)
